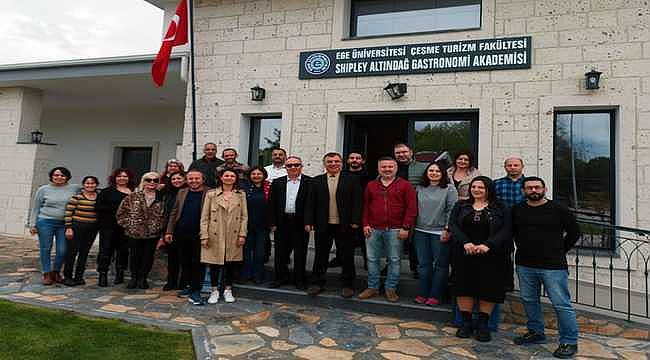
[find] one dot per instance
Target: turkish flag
(176, 35)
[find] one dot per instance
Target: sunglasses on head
(293, 165)
(150, 180)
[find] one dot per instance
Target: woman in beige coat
(224, 219)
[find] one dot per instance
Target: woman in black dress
(479, 226)
(112, 241)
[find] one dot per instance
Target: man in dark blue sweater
(544, 232)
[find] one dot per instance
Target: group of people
(220, 214)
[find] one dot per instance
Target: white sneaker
(214, 297)
(227, 296)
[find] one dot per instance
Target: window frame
(612, 170)
(352, 33)
(254, 137)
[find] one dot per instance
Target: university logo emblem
(317, 64)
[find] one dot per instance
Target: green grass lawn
(28, 332)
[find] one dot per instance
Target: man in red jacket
(389, 211)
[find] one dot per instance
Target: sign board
(453, 56)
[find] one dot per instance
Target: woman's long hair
(444, 179)
(489, 188)
(129, 174)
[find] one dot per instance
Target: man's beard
(355, 166)
(535, 196)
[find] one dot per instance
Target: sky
(46, 30)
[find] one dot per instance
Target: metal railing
(616, 279)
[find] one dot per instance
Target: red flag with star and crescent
(176, 35)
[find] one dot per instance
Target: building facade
(543, 113)
(522, 92)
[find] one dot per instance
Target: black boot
(119, 277)
(465, 330)
(483, 332)
(142, 283)
(103, 279)
(133, 283)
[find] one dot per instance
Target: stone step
(405, 308)
(332, 299)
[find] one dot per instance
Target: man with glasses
(287, 205)
(208, 164)
(411, 170)
(335, 212)
(544, 232)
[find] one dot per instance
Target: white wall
(84, 138)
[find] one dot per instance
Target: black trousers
(291, 235)
(78, 249)
(343, 236)
(189, 258)
(112, 243)
(142, 252)
(173, 264)
(229, 272)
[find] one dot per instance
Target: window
(444, 137)
(265, 135)
(387, 17)
(584, 171)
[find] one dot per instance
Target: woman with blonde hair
(141, 214)
(224, 222)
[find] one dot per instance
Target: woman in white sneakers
(224, 221)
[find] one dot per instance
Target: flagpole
(190, 6)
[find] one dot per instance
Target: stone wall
(23, 165)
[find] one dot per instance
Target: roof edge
(89, 61)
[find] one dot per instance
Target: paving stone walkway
(255, 329)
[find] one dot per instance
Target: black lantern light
(257, 93)
(395, 90)
(593, 77)
(37, 137)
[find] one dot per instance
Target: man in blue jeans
(544, 232)
(389, 210)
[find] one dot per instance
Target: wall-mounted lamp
(395, 90)
(593, 77)
(37, 137)
(257, 93)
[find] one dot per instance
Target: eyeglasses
(293, 165)
(150, 180)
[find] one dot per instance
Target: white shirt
(274, 172)
(292, 194)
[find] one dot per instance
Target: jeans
(557, 287)
(433, 268)
(493, 323)
(381, 241)
(48, 230)
(254, 252)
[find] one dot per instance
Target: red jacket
(392, 207)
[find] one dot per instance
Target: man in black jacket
(208, 164)
(287, 206)
(334, 211)
(544, 232)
